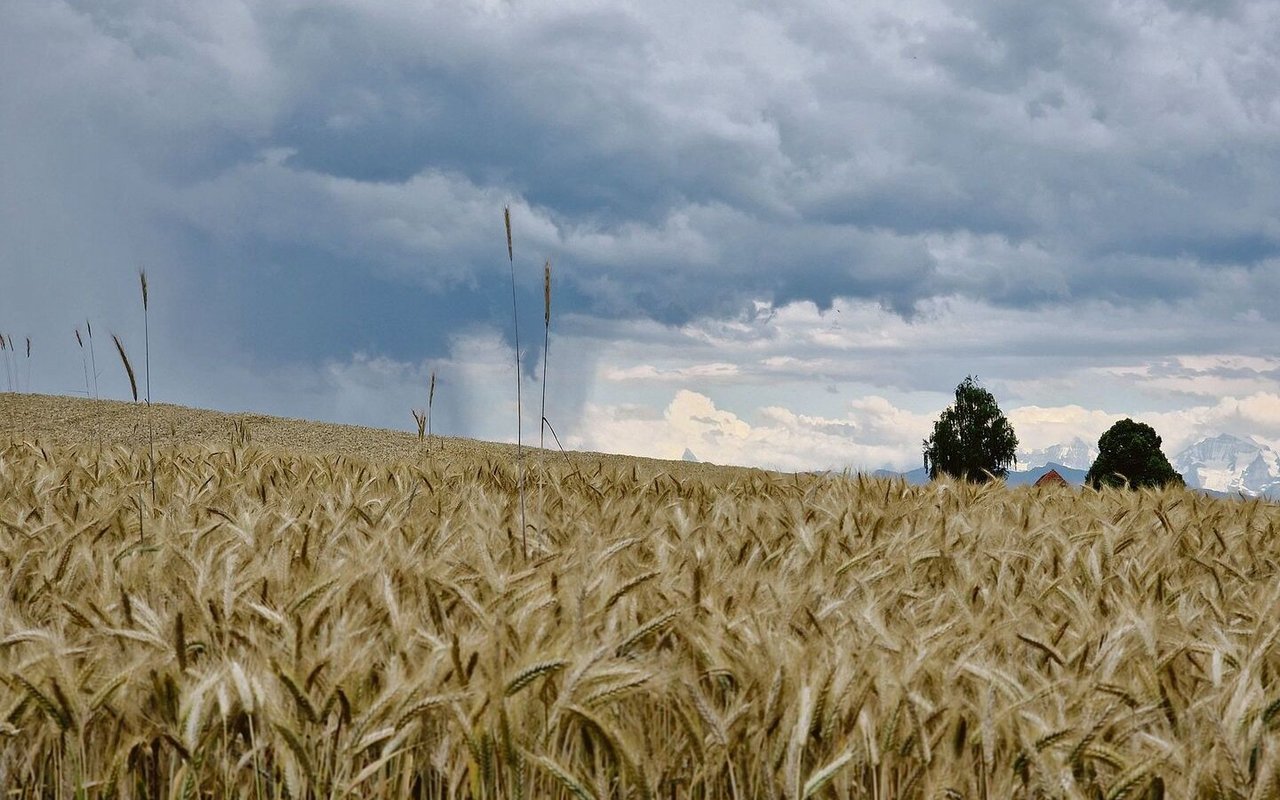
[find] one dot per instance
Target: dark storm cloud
(1090, 130)
(309, 178)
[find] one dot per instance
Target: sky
(781, 233)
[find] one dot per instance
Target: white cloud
(1255, 415)
(1252, 415)
(873, 434)
(1038, 427)
(648, 372)
(1227, 361)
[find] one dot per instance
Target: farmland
(294, 610)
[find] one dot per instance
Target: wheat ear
(133, 387)
(128, 368)
(84, 362)
(431, 398)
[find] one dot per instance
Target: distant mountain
(1076, 454)
(688, 456)
(1230, 465)
(1222, 465)
(916, 477)
(920, 476)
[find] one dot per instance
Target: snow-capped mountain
(1230, 464)
(1222, 464)
(1076, 454)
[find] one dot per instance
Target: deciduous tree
(1129, 454)
(972, 440)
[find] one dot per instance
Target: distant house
(1051, 478)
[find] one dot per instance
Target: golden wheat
(320, 625)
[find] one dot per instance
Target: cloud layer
(785, 213)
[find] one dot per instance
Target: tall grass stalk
(128, 367)
(4, 351)
(546, 346)
(515, 324)
(28, 363)
(84, 362)
(93, 359)
(133, 389)
(420, 418)
(423, 416)
(546, 349)
(431, 399)
(15, 365)
(146, 341)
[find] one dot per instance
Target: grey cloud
(618, 119)
(1001, 46)
(1048, 356)
(1214, 8)
(678, 162)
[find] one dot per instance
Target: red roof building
(1051, 478)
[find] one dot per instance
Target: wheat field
(308, 622)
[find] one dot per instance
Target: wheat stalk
(515, 326)
(546, 342)
(11, 369)
(93, 359)
(4, 349)
(431, 399)
(823, 776)
(84, 362)
(128, 368)
(146, 328)
(562, 775)
(133, 388)
(532, 673)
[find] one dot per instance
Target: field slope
(314, 611)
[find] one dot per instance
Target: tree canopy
(972, 440)
(1129, 454)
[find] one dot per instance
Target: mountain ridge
(1074, 477)
(1222, 465)
(1230, 464)
(1076, 454)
